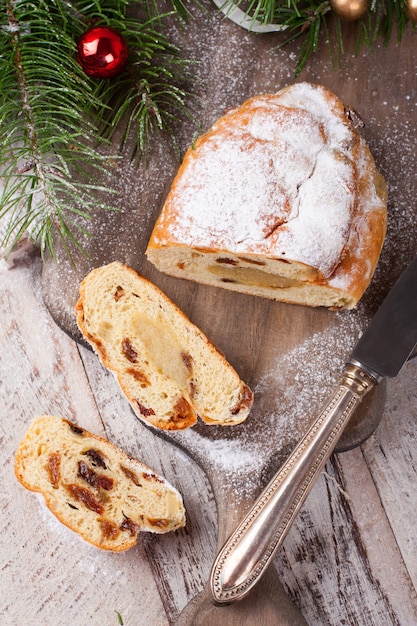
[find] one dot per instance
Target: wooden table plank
(391, 455)
(386, 548)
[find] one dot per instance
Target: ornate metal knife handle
(249, 550)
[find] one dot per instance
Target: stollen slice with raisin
(168, 369)
(94, 487)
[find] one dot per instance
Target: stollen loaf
(93, 487)
(281, 198)
(168, 369)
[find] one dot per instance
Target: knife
(380, 352)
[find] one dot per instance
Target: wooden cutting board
(291, 356)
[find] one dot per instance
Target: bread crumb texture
(93, 487)
(281, 198)
(168, 369)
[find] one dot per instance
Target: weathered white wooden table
(351, 557)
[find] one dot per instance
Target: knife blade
(381, 352)
(392, 333)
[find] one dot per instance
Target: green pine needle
(55, 122)
(308, 20)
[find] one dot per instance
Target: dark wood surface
(290, 355)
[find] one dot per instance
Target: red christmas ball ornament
(102, 52)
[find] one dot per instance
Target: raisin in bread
(168, 369)
(93, 487)
(281, 198)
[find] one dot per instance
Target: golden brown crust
(362, 251)
(315, 234)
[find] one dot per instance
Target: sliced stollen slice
(168, 369)
(94, 487)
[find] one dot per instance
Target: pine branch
(55, 121)
(150, 97)
(308, 20)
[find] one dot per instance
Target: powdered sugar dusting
(317, 238)
(330, 114)
(270, 179)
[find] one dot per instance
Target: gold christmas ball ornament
(411, 10)
(351, 10)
